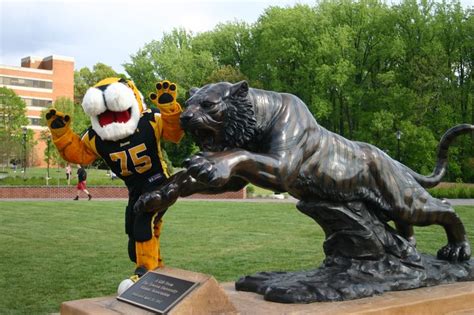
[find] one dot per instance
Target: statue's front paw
(455, 252)
(149, 202)
(159, 200)
(206, 171)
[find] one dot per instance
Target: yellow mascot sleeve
(165, 100)
(71, 147)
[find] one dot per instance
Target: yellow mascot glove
(166, 93)
(58, 123)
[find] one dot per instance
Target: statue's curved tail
(443, 147)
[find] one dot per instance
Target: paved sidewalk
(454, 202)
(462, 202)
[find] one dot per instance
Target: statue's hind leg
(406, 230)
(429, 210)
(458, 247)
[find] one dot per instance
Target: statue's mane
(240, 121)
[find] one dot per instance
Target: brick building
(39, 82)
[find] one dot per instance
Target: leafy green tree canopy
(12, 121)
(364, 68)
(85, 78)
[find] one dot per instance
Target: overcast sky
(109, 31)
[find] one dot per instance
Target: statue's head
(114, 106)
(219, 116)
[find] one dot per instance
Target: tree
(229, 44)
(364, 68)
(435, 70)
(226, 73)
(173, 59)
(12, 122)
(283, 51)
(64, 105)
(454, 28)
(86, 78)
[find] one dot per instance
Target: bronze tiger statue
(271, 139)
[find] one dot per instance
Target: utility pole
(48, 142)
(25, 133)
(399, 136)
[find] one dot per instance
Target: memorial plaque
(157, 292)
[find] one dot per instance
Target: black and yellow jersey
(137, 159)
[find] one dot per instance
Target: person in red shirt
(81, 182)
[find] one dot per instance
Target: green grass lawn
(36, 176)
(54, 251)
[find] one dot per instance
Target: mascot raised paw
(127, 135)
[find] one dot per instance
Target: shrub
(250, 189)
(464, 192)
(453, 192)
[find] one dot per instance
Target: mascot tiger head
(220, 116)
(114, 106)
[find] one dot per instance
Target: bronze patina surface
(352, 189)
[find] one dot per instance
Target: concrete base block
(212, 298)
(457, 298)
(207, 298)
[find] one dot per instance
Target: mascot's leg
(143, 245)
(156, 234)
(147, 230)
(143, 230)
(147, 254)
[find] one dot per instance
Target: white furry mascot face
(114, 106)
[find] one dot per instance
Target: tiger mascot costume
(126, 134)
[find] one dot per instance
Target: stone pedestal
(452, 299)
(212, 298)
(207, 298)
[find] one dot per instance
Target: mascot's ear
(192, 91)
(239, 89)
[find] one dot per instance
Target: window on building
(39, 84)
(35, 121)
(38, 102)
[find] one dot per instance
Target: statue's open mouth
(204, 137)
(205, 131)
(109, 117)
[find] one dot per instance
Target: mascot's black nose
(185, 118)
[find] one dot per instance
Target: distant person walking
(68, 174)
(81, 182)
